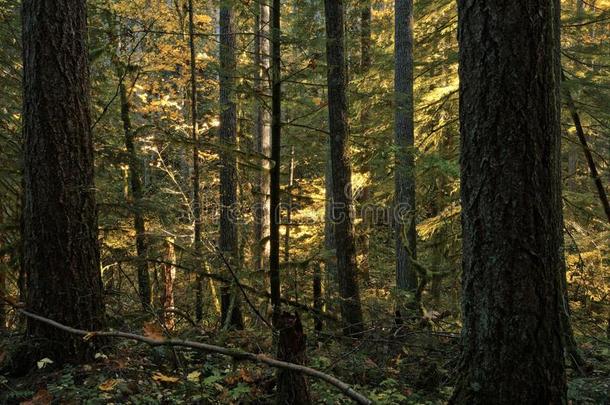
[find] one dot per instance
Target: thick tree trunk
(135, 183)
(228, 238)
(61, 253)
(351, 311)
(404, 171)
(511, 204)
(276, 128)
(263, 135)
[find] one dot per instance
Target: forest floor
(389, 366)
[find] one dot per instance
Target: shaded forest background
(165, 273)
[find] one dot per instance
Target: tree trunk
(196, 198)
(597, 180)
(351, 311)
(263, 136)
(330, 256)
(365, 65)
(317, 297)
(289, 210)
(276, 128)
(292, 387)
(511, 204)
(61, 253)
(169, 275)
(135, 182)
(228, 238)
(404, 171)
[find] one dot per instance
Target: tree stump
(292, 388)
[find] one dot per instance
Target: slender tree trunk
(580, 132)
(61, 253)
(228, 238)
(317, 296)
(351, 311)
(263, 135)
(404, 171)
(511, 204)
(196, 198)
(289, 210)
(276, 128)
(365, 65)
(330, 257)
(135, 183)
(169, 275)
(3, 271)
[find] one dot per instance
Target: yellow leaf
(194, 376)
(108, 385)
(164, 378)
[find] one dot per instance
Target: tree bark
(263, 135)
(580, 132)
(195, 139)
(3, 272)
(351, 311)
(404, 171)
(135, 183)
(228, 237)
(365, 65)
(276, 128)
(511, 204)
(330, 256)
(169, 275)
(292, 388)
(317, 297)
(61, 253)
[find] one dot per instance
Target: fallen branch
(234, 353)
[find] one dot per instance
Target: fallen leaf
(42, 397)
(164, 378)
(194, 376)
(108, 385)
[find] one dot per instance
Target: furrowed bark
(349, 291)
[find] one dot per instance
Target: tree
(61, 253)
(349, 291)
(404, 171)
(511, 204)
(137, 193)
(263, 133)
(196, 199)
(276, 148)
(365, 65)
(228, 238)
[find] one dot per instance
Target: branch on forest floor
(233, 353)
